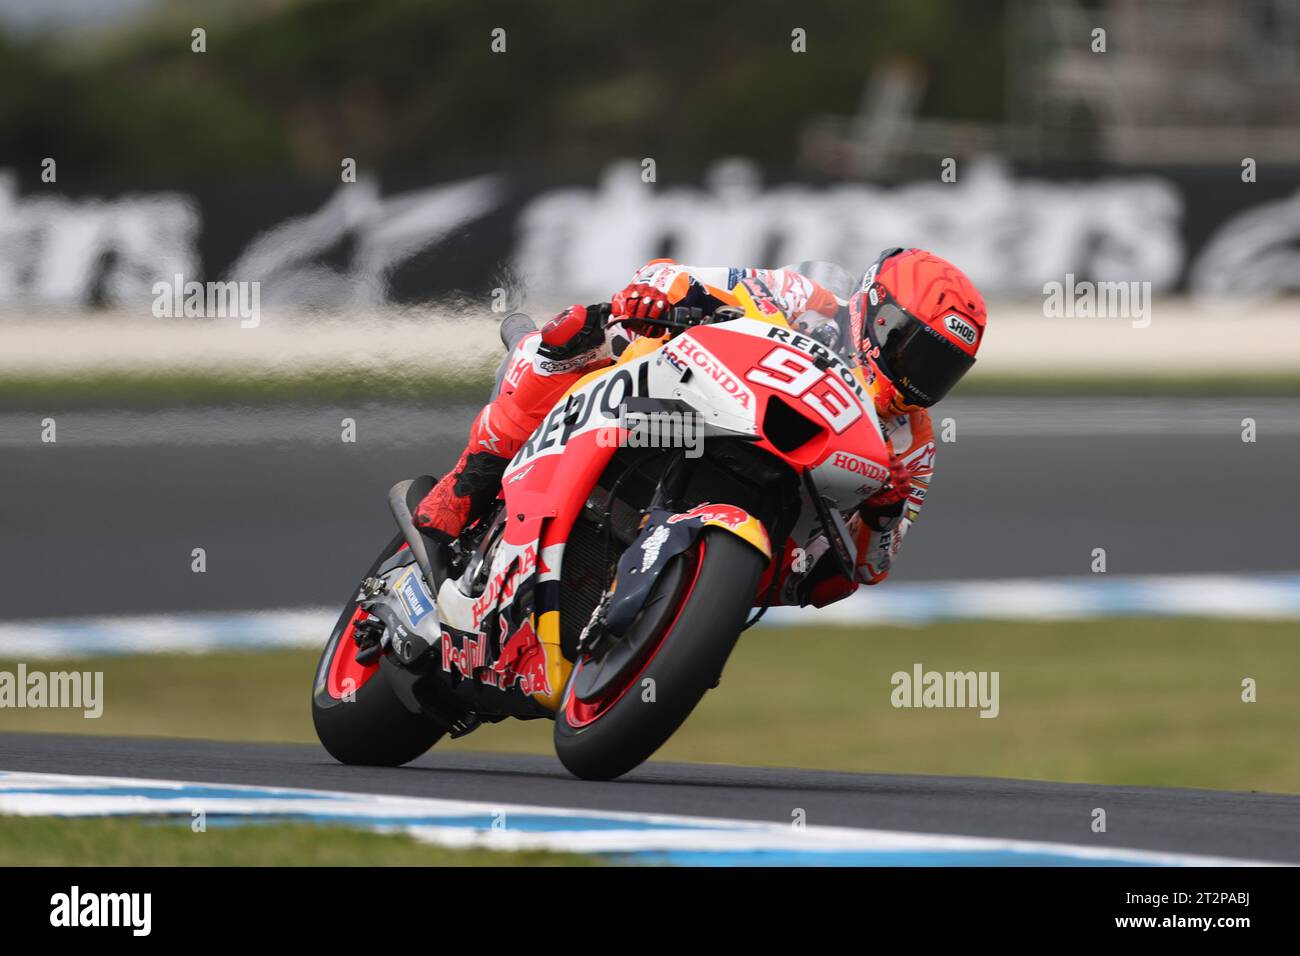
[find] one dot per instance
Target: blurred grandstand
(1135, 104)
(224, 166)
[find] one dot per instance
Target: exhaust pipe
(514, 327)
(428, 554)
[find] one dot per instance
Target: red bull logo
(467, 658)
(523, 661)
(728, 515)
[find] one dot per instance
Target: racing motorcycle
(609, 583)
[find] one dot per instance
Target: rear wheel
(358, 716)
(694, 616)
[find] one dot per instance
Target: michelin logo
(415, 599)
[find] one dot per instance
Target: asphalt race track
(105, 520)
(1240, 825)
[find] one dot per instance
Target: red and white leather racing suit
(543, 365)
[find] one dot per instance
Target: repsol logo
(602, 399)
(824, 358)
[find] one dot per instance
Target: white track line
(465, 823)
(1258, 597)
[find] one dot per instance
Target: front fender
(730, 518)
(664, 536)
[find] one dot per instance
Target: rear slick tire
(604, 739)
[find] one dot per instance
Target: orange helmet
(918, 321)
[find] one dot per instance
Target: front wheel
(697, 612)
(358, 716)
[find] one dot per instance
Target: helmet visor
(920, 361)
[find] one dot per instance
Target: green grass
(1140, 702)
(116, 841)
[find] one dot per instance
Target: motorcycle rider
(913, 323)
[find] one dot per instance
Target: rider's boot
(541, 368)
(462, 496)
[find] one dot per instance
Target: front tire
(373, 728)
(605, 738)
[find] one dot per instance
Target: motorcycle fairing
(489, 637)
(667, 534)
(545, 487)
(572, 448)
(849, 455)
(550, 479)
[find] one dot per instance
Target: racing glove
(883, 510)
(821, 581)
(640, 300)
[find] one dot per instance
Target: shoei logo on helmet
(960, 327)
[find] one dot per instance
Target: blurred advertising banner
(372, 243)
